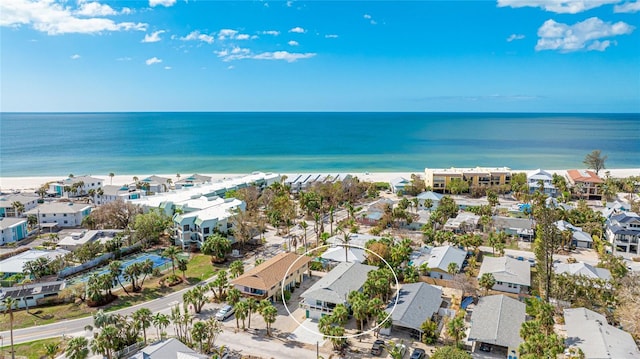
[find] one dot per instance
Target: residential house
(587, 182)
(439, 179)
(265, 280)
(355, 250)
(333, 288)
(64, 214)
(83, 184)
(615, 207)
(511, 275)
(15, 264)
(464, 222)
(7, 201)
(194, 179)
(31, 295)
(414, 304)
(518, 227)
(399, 184)
(579, 238)
(156, 184)
(374, 212)
(495, 325)
(438, 259)
(623, 232)
(74, 240)
(111, 193)
(590, 332)
(202, 217)
(12, 229)
(584, 269)
(429, 195)
(170, 348)
(537, 177)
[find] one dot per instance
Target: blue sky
(176, 55)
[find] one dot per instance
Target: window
(185, 227)
(65, 222)
(206, 230)
(64, 215)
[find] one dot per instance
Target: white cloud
(197, 36)
(153, 60)
(154, 37)
(165, 3)
(55, 19)
(515, 37)
(558, 6)
(271, 32)
(633, 6)
(331, 36)
(582, 35)
(298, 30)
(230, 67)
(167, 67)
(237, 53)
(95, 9)
(242, 37)
(289, 3)
(367, 16)
(75, 57)
(293, 43)
(226, 34)
(123, 59)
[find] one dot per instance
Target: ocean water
(33, 144)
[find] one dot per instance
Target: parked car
(224, 313)
(403, 349)
(376, 349)
(418, 354)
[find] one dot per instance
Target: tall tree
(160, 321)
(456, 326)
(143, 318)
(486, 281)
(241, 312)
(595, 160)
(236, 268)
(217, 247)
(172, 253)
(77, 348)
(269, 313)
(546, 245)
(9, 304)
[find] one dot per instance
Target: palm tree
(51, 350)
(269, 314)
(18, 207)
(77, 348)
(115, 268)
(199, 333)
(217, 247)
(104, 342)
(160, 321)
(304, 226)
(236, 268)
(143, 317)
(111, 174)
(172, 253)
(252, 305)
(487, 281)
(233, 296)
(9, 304)
(453, 268)
(456, 326)
(241, 311)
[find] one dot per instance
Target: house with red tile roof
(587, 181)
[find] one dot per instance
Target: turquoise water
(34, 144)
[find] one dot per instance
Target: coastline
(15, 184)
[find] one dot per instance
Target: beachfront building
(495, 325)
(333, 289)
(429, 195)
(437, 260)
(478, 177)
(75, 186)
(31, 295)
(623, 232)
(538, 177)
(12, 229)
(511, 275)
(302, 182)
(265, 280)
(156, 184)
(590, 332)
(63, 214)
(167, 201)
(15, 264)
(201, 217)
(193, 180)
(586, 182)
(7, 201)
(399, 184)
(111, 193)
(414, 304)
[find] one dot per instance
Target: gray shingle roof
(497, 320)
(590, 332)
(508, 270)
(417, 302)
(337, 284)
(583, 269)
(168, 349)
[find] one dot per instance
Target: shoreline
(31, 183)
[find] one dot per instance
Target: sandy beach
(30, 184)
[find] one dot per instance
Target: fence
(129, 351)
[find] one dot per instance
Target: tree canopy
(595, 160)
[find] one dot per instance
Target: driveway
(308, 333)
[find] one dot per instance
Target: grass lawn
(31, 350)
(198, 269)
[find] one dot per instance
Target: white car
(224, 312)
